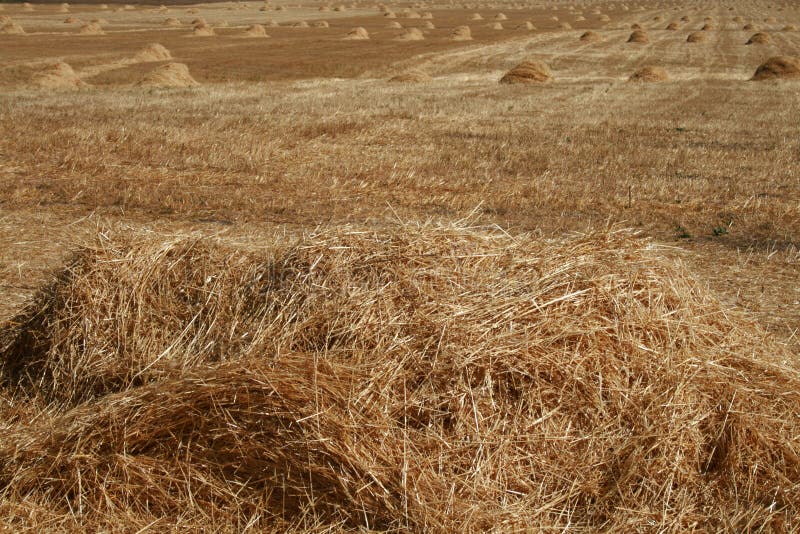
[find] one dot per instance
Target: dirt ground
(303, 129)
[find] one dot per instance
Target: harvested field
(336, 279)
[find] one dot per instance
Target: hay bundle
(685, 18)
(428, 25)
(172, 22)
(271, 24)
(527, 25)
(500, 16)
(476, 16)
(605, 18)
(411, 76)
(324, 8)
(778, 67)
(203, 30)
(461, 33)
(411, 34)
(63, 8)
(649, 74)
(528, 72)
(254, 31)
(708, 27)
(12, 28)
(300, 24)
(636, 26)
(759, 38)
(152, 52)
(412, 15)
(71, 20)
(790, 28)
(58, 76)
(329, 383)
(390, 15)
(672, 26)
(394, 25)
(737, 19)
(27, 7)
(565, 26)
(427, 15)
(93, 28)
(168, 75)
(638, 37)
(697, 37)
(199, 21)
(591, 37)
(770, 20)
(320, 24)
(357, 34)
(748, 27)
(495, 25)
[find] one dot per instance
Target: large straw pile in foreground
(422, 378)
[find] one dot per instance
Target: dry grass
(415, 378)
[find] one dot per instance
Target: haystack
(461, 33)
(172, 21)
(152, 52)
(605, 18)
(411, 76)
(476, 16)
(93, 28)
(168, 75)
(300, 24)
(638, 37)
(58, 76)
(790, 28)
(565, 26)
(411, 34)
(500, 16)
(708, 27)
(412, 15)
(649, 74)
(749, 27)
(591, 37)
(697, 37)
(390, 15)
(71, 20)
(320, 24)
(778, 67)
(636, 26)
(528, 72)
(759, 38)
(428, 25)
(672, 26)
(199, 21)
(357, 34)
(495, 25)
(254, 31)
(203, 30)
(12, 28)
(527, 25)
(392, 381)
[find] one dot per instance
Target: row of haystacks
(416, 378)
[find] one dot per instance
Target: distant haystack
(412, 15)
(93, 28)
(152, 52)
(565, 26)
(203, 30)
(500, 16)
(12, 28)
(697, 37)
(390, 15)
(411, 34)
(759, 38)
(172, 22)
(26, 6)
(300, 24)
(770, 20)
(605, 18)
(357, 34)
(169, 75)
(708, 27)
(271, 24)
(649, 75)
(737, 19)
(476, 16)
(70, 20)
(591, 37)
(320, 24)
(199, 21)
(394, 25)
(527, 25)
(672, 26)
(428, 25)
(748, 27)
(255, 31)
(461, 33)
(778, 67)
(427, 15)
(495, 25)
(636, 26)
(58, 76)
(528, 72)
(790, 28)
(638, 37)
(64, 8)
(324, 8)
(411, 76)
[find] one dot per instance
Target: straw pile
(93, 28)
(12, 28)
(421, 379)
(759, 38)
(58, 76)
(169, 75)
(411, 76)
(320, 24)
(790, 28)
(203, 30)
(172, 21)
(528, 72)
(357, 34)
(411, 34)
(394, 25)
(638, 37)
(476, 16)
(254, 31)
(672, 26)
(591, 37)
(461, 33)
(495, 25)
(152, 52)
(697, 37)
(778, 67)
(649, 74)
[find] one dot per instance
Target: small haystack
(672, 26)
(411, 76)
(697, 37)
(708, 27)
(649, 74)
(152, 52)
(461, 33)
(411, 34)
(565, 26)
(528, 72)
(172, 22)
(638, 37)
(591, 37)
(394, 25)
(759, 38)
(93, 28)
(203, 30)
(500, 16)
(495, 25)
(254, 31)
(527, 25)
(790, 28)
(476, 16)
(320, 24)
(58, 76)
(12, 28)
(357, 34)
(169, 75)
(777, 68)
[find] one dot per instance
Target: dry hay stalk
(357, 34)
(778, 67)
(759, 38)
(649, 74)
(638, 37)
(58, 76)
(421, 378)
(168, 75)
(461, 33)
(528, 72)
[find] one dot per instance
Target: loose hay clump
(672, 26)
(255, 31)
(411, 34)
(417, 378)
(528, 72)
(59, 75)
(169, 75)
(759, 38)
(649, 74)
(93, 28)
(591, 37)
(778, 67)
(790, 28)
(411, 76)
(697, 37)
(203, 30)
(638, 37)
(357, 34)
(12, 28)
(172, 22)
(461, 33)
(153, 52)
